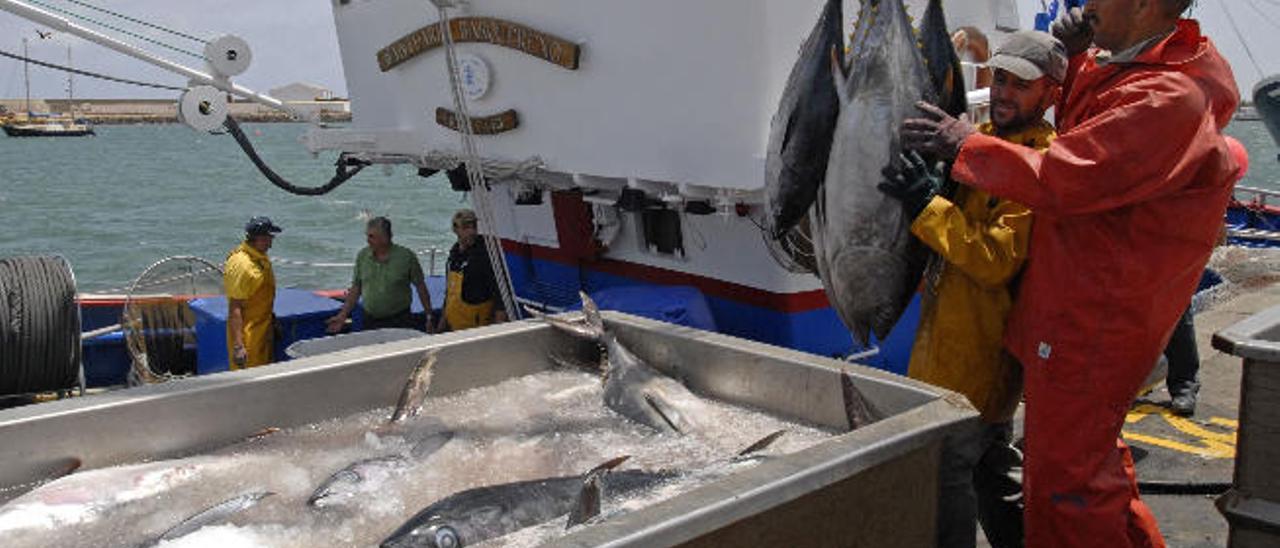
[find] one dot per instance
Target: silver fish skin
(801, 130)
(345, 484)
(415, 389)
(869, 263)
(476, 515)
(633, 388)
(217, 513)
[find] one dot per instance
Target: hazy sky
(293, 40)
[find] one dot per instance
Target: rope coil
(39, 326)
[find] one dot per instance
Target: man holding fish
(1128, 201)
(981, 244)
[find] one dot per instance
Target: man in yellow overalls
(980, 244)
(251, 293)
(471, 290)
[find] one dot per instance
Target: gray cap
(1030, 54)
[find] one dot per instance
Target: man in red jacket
(1128, 203)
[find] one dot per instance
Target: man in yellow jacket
(251, 293)
(980, 244)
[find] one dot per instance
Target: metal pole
(30, 13)
(26, 75)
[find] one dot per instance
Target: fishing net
(794, 251)
(159, 327)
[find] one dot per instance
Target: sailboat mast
(26, 74)
(70, 83)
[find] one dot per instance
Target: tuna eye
(447, 538)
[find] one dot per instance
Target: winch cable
(39, 326)
(136, 21)
(114, 28)
(345, 168)
(475, 176)
(89, 74)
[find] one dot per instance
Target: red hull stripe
(783, 302)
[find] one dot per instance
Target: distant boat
(45, 125)
(51, 128)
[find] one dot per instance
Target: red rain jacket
(1129, 201)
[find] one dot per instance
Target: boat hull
(39, 131)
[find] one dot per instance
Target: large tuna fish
(866, 257)
(800, 134)
(475, 515)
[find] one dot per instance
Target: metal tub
(1252, 506)
(876, 486)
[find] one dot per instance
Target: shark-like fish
(633, 388)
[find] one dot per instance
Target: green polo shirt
(385, 285)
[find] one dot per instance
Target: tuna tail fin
(857, 409)
(761, 445)
(588, 504)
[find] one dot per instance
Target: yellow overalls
(457, 313)
(983, 243)
(247, 277)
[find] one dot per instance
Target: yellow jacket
(247, 277)
(981, 243)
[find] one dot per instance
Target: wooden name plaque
(482, 30)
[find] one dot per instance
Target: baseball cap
(464, 216)
(1030, 54)
(258, 226)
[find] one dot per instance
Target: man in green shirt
(384, 271)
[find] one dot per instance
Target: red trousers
(1080, 488)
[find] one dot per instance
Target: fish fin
(428, 445)
(416, 388)
(668, 414)
(941, 60)
(857, 410)
(591, 313)
(839, 75)
(762, 444)
(576, 329)
(587, 505)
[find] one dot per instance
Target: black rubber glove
(914, 184)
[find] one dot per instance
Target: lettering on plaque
(482, 30)
(480, 125)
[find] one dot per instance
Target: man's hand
(1074, 30)
(914, 184)
(335, 323)
(938, 133)
(240, 356)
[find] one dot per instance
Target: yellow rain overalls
(474, 262)
(457, 312)
(247, 277)
(981, 244)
